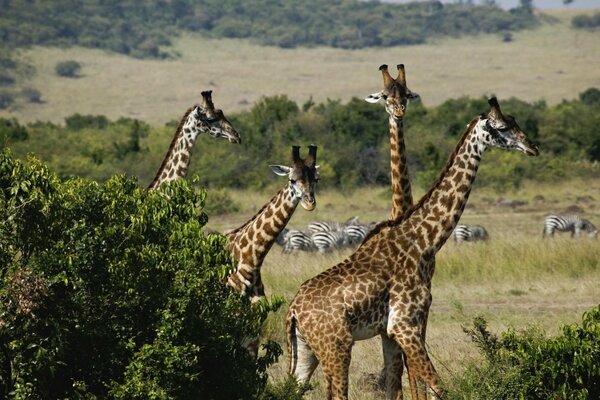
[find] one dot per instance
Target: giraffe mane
(397, 221)
(238, 229)
(173, 141)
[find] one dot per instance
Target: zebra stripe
(356, 233)
(322, 226)
(568, 223)
(470, 233)
(327, 241)
(296, 240)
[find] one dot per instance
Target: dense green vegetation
(143, 28)
(530, 365)
(110, 291)
(586, 21)
(352, 138)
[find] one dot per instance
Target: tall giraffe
(250, 243)
(203, 118)
(384, 288)
(396, 95)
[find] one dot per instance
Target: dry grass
(553, 63)
(515, 280)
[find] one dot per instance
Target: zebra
(326, 241)
(322, 226)
(280, 239)
(568, 223)
(470, 233)
(356, 233)
(296, 240)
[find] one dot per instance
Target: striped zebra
(328, 241)
(356, 233)
(568, 223)
(470, 233)
(296, 240)
(322, 226)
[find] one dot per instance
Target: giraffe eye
(293, 181)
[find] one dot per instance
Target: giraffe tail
(292, 342)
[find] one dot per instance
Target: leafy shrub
(529, 365)
(586, 21)
(11, 129)
(6, 80)
(111, 291)
(77, 122)
(6, 99)
(590, 96)
(32, 95)
(68, 69)
(220, 202)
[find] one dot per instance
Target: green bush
(220, 202)
(111, 291)
(529, 365)
(68, 69)
(590, 22)
(6, 99)
(32, 95)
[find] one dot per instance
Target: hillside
(552, 62)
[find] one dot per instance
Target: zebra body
(296, 240)
(322, 226)
(328, 241)
(568, 223)
(356, 233)
(470, 233)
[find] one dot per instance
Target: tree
(68, 69)
(111, 291)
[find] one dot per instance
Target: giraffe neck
(401, 191)
(176, 162)
(250, 243)
(438, 212)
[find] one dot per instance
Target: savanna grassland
(516, 279)
(552, 62)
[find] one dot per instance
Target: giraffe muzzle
(308, 203)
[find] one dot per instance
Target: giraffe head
(303, 176)
(498, 130)
(395, 92)
(213, 121)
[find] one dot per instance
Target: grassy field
(553, 62)
(514, 280)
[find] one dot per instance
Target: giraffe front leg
(393, 358)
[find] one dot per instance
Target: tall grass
(513, 280)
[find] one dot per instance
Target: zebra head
(303, 176)
(498, 130)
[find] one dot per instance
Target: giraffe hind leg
(393, 358)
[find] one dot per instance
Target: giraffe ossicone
(384, 287)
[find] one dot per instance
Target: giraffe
(396, 95)
(250, 243)
(384, 287)
(198, 119)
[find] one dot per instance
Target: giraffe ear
(413, 96)
(281, 170)
(375, 97)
